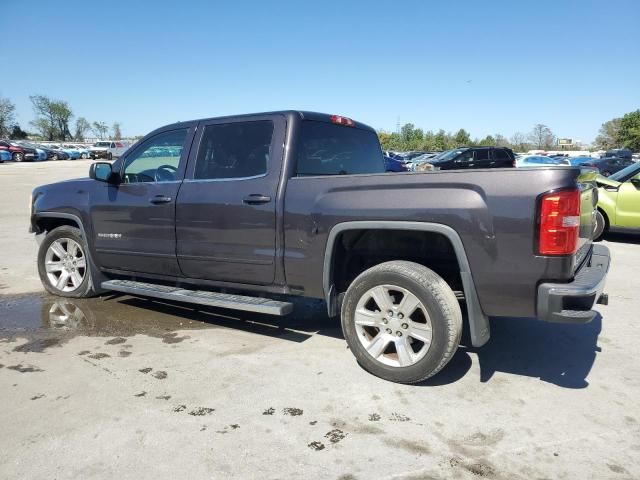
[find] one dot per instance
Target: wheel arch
(478, 321)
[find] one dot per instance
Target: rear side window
(481, 154)
(234, 150)
(500, 155)
(328, 149)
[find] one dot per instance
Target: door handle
(159, 199)
(256, 199)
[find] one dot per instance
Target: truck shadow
(560, 354)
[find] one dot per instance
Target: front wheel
(18, 157)
(84, 156)
(402, 321)
(63, 265)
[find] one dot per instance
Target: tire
(605, 173)
(437, 316)
(601, 225)
(55, 157)
(83, 156)
(78, 282)
(109, 156)
(18, 156)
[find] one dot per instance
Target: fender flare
(478, 321)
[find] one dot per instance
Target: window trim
(186, 147)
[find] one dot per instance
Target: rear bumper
(573, 302)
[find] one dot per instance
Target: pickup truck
(246, 212)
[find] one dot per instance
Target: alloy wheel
(65, 264)
(393, 325)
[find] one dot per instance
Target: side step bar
(200, 297)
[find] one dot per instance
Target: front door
(134, 221)
(628, 204)
(226, 210)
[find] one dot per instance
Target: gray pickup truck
(245, 212)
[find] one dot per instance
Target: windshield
(626, 173)
(448, 155)
(102, 144)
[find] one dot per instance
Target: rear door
(481, 158)
(628, 204)
(226, 208)
(500, 158)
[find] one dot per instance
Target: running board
(200, 297)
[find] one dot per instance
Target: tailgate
(588, 202)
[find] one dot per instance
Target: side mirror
(635, 182)
(101, 171)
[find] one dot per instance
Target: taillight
(559, 222)
(340, 120)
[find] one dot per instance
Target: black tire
(600, 227)
(55, 157)
(18, 156)
(84, 289)
(439, 301)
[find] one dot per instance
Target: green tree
(629, 133)
(487, 141)
(52, 117)
(82, 127)
(461, 138)
(7, 116)
(440, 141)
(608, 136)
(17, 133)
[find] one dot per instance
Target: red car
(18, 153)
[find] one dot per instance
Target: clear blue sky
(486, 66)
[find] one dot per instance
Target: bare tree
(541, 136)
(82, 127)
(7, 116)
(116, 133)
(100, 129)
(518, 141)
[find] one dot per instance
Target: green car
(619, 202)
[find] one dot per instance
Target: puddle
(47, 321)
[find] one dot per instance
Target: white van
(108, 149)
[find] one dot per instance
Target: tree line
(621, 132)
(53, 121)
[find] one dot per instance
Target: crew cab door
(134, 221)
(226, 208)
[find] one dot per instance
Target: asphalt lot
(132, 388)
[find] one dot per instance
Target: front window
(157, 159)
(448, 155)
(626, 173)
(102, 144)
(328, 149)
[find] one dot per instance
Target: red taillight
(340, 120)
(559, 222)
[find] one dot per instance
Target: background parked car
(5, 156)
(579, 161)
(393, 165)
(609, 165)
(473, 157)
(54, 153)
(619, 153)
(540, 161)
(40, 153)
(72, 152)
(619, 201)
(84, 150)
(108, 150)
(18, 152)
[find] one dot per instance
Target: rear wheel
(18, 156)
(601, 225)
(402, 321)
(63, 265)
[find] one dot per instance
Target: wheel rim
(18, 157)
(65, 264)
(393, 326)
